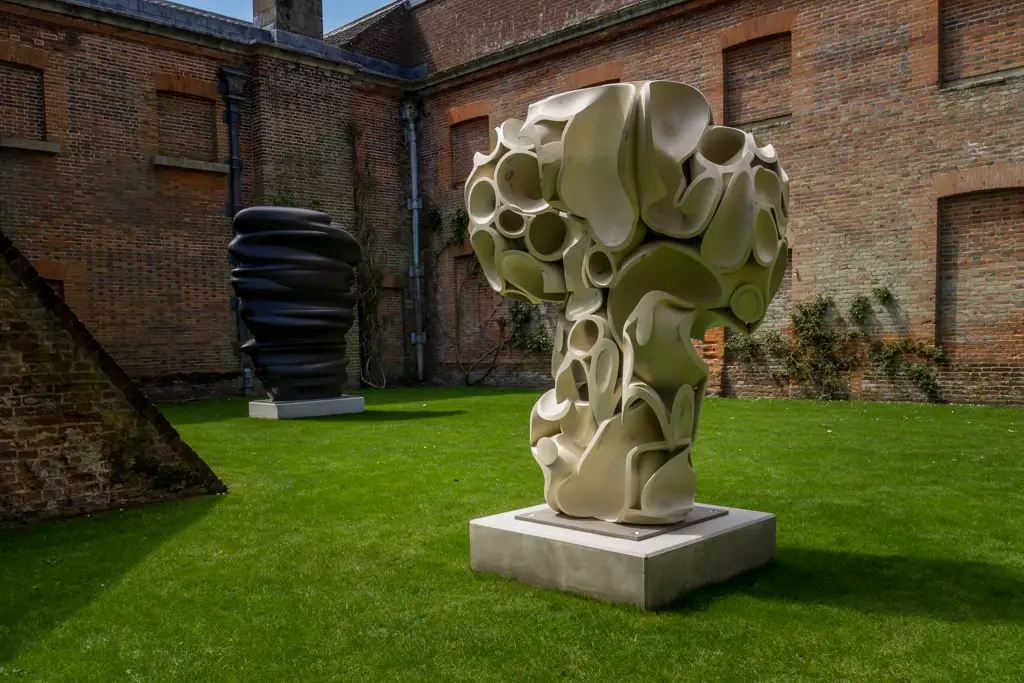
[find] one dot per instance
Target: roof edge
(208, 25)
(605, 22)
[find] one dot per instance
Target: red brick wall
(76, 435)
(148, 242)
(757, 80)
(187, 126)
(870, 128)
(468, 138)
(144, 245)
(21, 102)
(375, 113)
(980, 36)
(980, 316)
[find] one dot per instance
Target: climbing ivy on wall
(516, 322)
(824, 348)
(369, 276)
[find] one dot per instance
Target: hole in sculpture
(511, 223)
(604, 372)
(546, 234)
(579, 373)
(721, 145)
(482, 201)
(600, 268)
(584, 391)
(766, 243)
(518, 178)
(583, 336)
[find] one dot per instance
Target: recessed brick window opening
(187, 126)
(981, 237)
(757, 80)
(974, 37)
(468, 138)
(22, 109)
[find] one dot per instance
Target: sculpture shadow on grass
(52, 570)
(946, 589)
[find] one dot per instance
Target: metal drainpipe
(411, 116)
(232, 88)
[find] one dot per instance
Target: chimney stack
(305, 17)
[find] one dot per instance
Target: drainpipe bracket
(415, 271)
(415, 203)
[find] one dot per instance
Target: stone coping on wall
(44, 146)
(984, 79)
(191, 164)
(765, 124)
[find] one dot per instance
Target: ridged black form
(294, 277)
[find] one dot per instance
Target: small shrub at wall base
(860, 309)
(882, 295)
(822, 350)
(890, 357)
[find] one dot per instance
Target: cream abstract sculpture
(626, 204)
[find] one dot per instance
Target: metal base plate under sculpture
(634, 532)
(650, 573)
(291, 410)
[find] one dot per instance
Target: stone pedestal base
(650, 573)
(291, 410)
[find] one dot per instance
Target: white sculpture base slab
(649, 573)
(291, 410)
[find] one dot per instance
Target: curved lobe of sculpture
(294, 276)
(649, 225)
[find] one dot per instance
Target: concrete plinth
(650, 573)
(291, 410)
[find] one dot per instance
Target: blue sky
(336, 12)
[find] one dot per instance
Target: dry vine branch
(369, 279)
(494, 351)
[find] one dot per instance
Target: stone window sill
(191, 164)
(765, 124)
(983, 79)
(43, 146)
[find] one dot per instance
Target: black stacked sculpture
(294, 274)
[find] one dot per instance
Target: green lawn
(341, 554)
